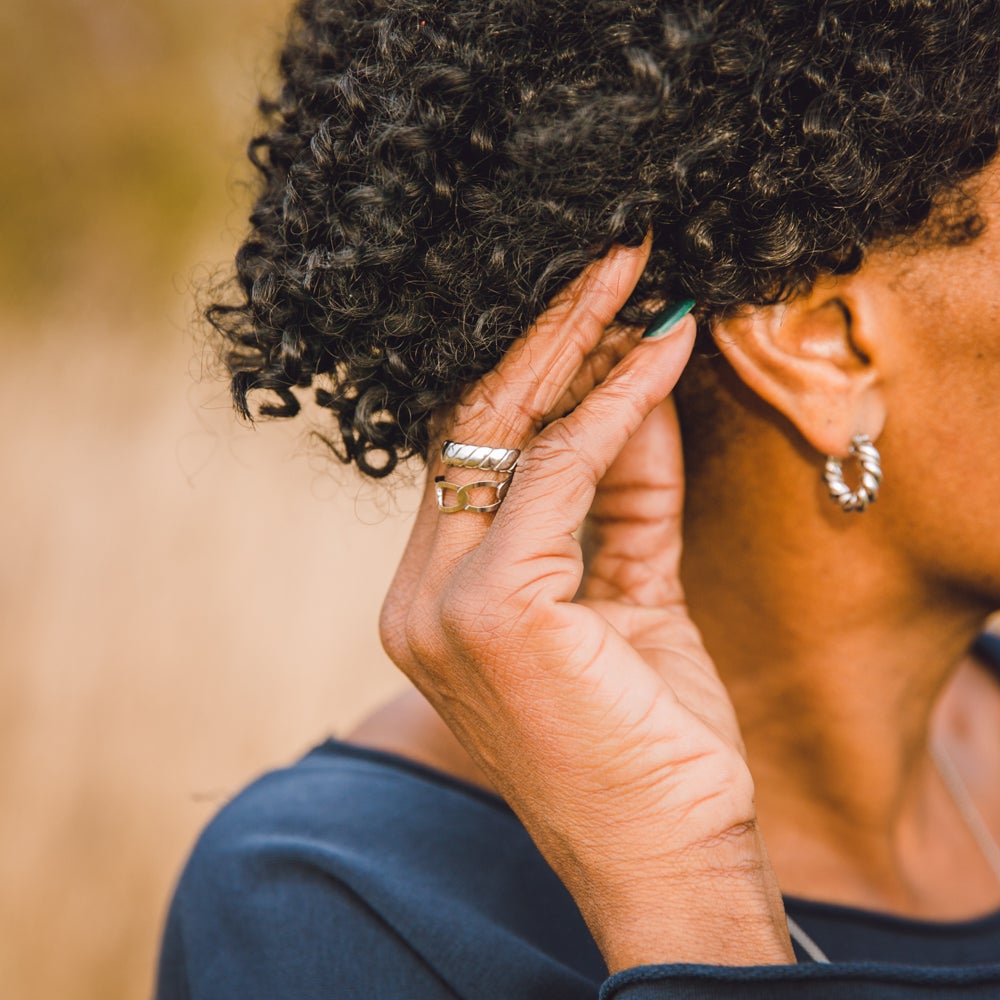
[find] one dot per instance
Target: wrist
(715, 903)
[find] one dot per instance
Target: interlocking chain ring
(462, 495)
(870, 461)
(473, 456)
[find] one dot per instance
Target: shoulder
(341, 794)
(357, 867)
(377, 824)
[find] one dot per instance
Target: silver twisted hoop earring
(870, 461)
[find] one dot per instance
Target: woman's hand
(588, 699)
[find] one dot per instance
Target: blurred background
(184, 601)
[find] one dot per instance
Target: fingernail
(665, 321)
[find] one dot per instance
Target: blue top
(356, 873)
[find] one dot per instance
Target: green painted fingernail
(665, 321)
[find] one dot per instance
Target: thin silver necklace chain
(813, 950)
(970, 814)
(966, 806)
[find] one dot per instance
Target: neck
(834, 657)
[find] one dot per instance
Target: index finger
(632, 535)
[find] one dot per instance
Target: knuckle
(461, 608)
(392, 631)
(557, 454)
(596, 308)
(487, 400)
(476, 610)
(555, 447)
(562, 304)
(493, 413)
(408, 634)
(622, 402)
(421, 634)
(425, 633)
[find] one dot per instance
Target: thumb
(632, 536)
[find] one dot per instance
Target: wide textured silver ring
(477, 456)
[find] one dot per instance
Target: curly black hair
(434, 170)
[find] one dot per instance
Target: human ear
(813, 359)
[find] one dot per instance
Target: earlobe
(810, 360)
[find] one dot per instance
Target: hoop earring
(870, 461)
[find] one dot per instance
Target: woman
(820, 179)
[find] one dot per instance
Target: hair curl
(434, 171)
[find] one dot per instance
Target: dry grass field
(183, 605)
(184, 601)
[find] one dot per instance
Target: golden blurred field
(183, 601)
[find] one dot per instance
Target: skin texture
(865, 616)
(601, 720)
(829, 637)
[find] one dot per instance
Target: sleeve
(244, 925)
(848, 981)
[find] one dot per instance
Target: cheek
(945, 366)
(941, 445)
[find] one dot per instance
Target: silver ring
(474, 456)
(870, 461)
(462, 495)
